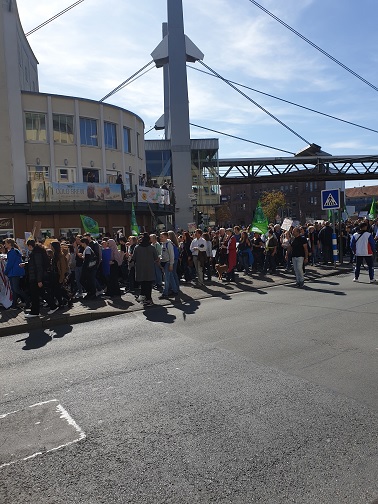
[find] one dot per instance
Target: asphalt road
(269, 397)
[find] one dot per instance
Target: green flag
(259, 220)
(373, 210)
(330, 215)
(134, 225)
(90, 225)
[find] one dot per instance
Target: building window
(69, 232)
(138, 144)
(35, 125)
(111, 177)
(110, 135)
(127, 182)
(126, 140)
(91, 175)
(66, 175)
(88, 132)
(63, 129)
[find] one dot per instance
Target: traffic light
(199, 218)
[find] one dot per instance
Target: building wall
(18, 67)
(55, 155)
(303, 199)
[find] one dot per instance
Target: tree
(271, 201)
(223, 214)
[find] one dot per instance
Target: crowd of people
(86, 268)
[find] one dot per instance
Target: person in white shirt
(198, 248)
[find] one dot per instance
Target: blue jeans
(369, 262)
(17, 292)
(176, 275)
(169, 281)
(298, 269)
(158, 275)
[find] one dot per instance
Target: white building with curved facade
(53, 147)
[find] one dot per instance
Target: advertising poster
(153, 195)
(56, 191)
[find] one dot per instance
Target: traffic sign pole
(334, 240)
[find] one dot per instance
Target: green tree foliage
(271, 201)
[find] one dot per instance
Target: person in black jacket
(325, 238)
(37, 270)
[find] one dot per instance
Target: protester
(89, 270)
(198, 249)
(15, 273)
(270, 252)
(363, 246)
(60, 270)
(245, 253)
(176, 249)
(167, 262)
(325, 239)
(37, 268)
(79, 249)
(299, 255)
(158, 284)
(145, 258)
(115, 262)
(230, 244)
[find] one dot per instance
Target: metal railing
(7, 199)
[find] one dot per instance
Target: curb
(68, 319)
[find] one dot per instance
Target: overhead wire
(240, 138)
(314, 45)
(254, 102)
(124, 83)
(288, 101)
(53, 18)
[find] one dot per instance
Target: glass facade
(63, 129)
(88, 132)
(110, 135)
(35, 127)
(126, 140)
(158, 167)
(205, 177)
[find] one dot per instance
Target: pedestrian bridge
(292, 169)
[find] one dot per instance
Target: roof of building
(361, 192)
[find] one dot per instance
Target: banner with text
(56, 191)
(153, 195)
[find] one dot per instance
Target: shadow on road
(40, 337)
(159, 314)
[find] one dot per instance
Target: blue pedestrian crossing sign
(331, 199)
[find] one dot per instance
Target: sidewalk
(14, 322)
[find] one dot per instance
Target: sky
(97, 45)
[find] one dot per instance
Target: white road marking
(63, 415)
